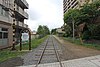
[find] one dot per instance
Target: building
(12, 15)
(6, 33)
(60, 31)
(34, 35)
(72, 4)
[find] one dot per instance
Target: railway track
(49, 53)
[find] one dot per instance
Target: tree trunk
(81, 41)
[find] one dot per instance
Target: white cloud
(45, 12)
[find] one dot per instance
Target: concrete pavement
(93, 61)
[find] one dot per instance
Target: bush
(86, 35)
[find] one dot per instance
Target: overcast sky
(45, 12)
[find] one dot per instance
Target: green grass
(94, 46)
(7, 53)
(34, 43)
(89, 45)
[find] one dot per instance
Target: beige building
(12, 15)
(60, 31)
(72, 4)
(34, 35)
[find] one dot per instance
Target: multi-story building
(6, 33)
(12, 15)
(72, 4)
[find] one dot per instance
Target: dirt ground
(13, 62)
(72, 51)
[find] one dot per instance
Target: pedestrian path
(93, 61)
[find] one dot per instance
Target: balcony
(5, 19)
(18, 23)
(22, 3)
(6, 4)
(25, 25)
(21, 24)
(22, 13)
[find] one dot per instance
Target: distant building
(60, 31)
(33, 34)
(12, 15)
(72, 4)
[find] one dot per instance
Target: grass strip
(7, 53)
(77, 42)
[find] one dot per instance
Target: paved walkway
(93, 61)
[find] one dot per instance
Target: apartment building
(72, 4)
(12, 15)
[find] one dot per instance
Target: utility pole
(73, 23)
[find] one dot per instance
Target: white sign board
(25, 37)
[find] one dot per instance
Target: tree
(40, 31)
(46, 29)
(53, 31)
(72, 19)
(43, 31)
(83, 17)
(68, 30)
(90, 13)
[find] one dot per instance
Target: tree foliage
(53, 31)
(90, 12)
(72, 15)
(43, 31)
(46, 30)
(87, 14)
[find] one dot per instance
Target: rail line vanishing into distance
(53, 51)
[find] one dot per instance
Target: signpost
(25, 37)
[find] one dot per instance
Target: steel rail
(42, 54)
(55, 50)
(57, 54)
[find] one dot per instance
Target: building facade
(72, 4)
(60, 31)
(12, 15)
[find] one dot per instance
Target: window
(5, 35)
(0, 29)
(0, 35)
(6, 13)
(0, 10)
(4, 29)
(3, 12)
